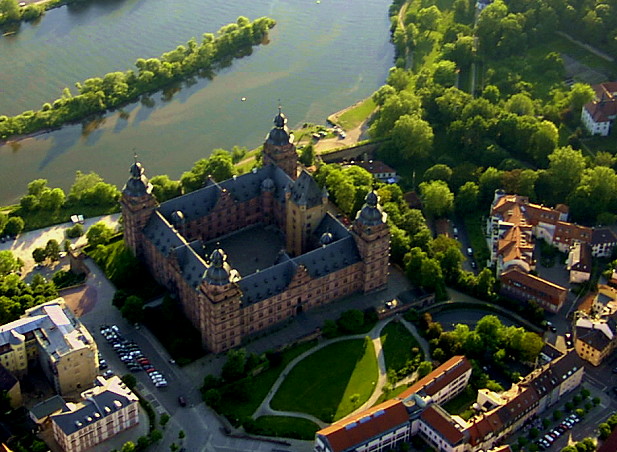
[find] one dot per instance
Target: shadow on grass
(330, 383)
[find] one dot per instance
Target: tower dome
(371, 214)
(279, 135)
(219, 271)
(138, 184)
(267, 185)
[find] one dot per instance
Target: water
(321, 57)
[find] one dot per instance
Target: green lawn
(256, 388)
(397, 343)
(475, 231)
(285, 426)
(42, 219)
(461, 404)
(387, 395)
(331, 382)
(356, 115)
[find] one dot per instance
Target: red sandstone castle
(287, 254)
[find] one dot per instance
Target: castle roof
(306, 192)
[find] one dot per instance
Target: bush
(75, 231)
(351, 321)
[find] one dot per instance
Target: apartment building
(107, 409)
(52, 337)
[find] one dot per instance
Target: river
(322, 56)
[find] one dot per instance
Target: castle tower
(305, 208)
(279, 148)
(137, 204)
(220, 317)
(373, 240)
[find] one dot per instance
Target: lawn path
(264, 408)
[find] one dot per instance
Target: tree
(438, 172)
(466, 201)
(580, 94)
(413, 137)
(234, 367)
(520, 104)
(28, 203)
(436, 198)
(99, 234)
(39, 255)
(14, 226)
(155, 436)
(605, 430)
(424, 368)
(307, 156)
(445, 73)
(52, 250)
(77, 230)
(52, 199)
(164, 188)
(9, 263)
(129, 380)
(429, 18)
(351, 321)
(90, 189)
(133, 309)
(129, 446)
(9, 10)
(164, 419)
(565, 169)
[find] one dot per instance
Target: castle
(256, 249)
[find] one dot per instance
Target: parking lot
(130, 355)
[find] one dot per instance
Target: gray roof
(49, 406)
(305, 191)
(95, 407)
(138, 184)
(200, 203)
(279, 135)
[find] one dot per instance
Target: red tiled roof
(605, 103)
(440, 377)
(440, 423)
(539, 286)
(375, 167)
(359, 428)
(481, 428)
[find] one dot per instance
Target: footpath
(265, 409)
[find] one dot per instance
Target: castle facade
(229, 298)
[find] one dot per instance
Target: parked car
(469, 251)
(181, 401)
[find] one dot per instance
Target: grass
(387, 395)
(461, 404)
(356, 115)
(397, 343)
(475, 231)
(124, 270)
(285, 426)
(332, 382)
(257, 387)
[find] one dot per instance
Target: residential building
(381, 427)
(52, 337)
(598, 115)
(498, 415)
(379, 170)
(603, 242)
(595, 328)
(295, 255)
(525, 286)
(579, 262)
(104, 411)
(11, 387)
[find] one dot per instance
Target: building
(579, 262)
(524, 286)
(381, 427)
(257, 249)
(52, 337)
(11, 387)
(595, 328)
(498, 415)
(603, 242)
(379, 170)
(599, 114)
(104, 411)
